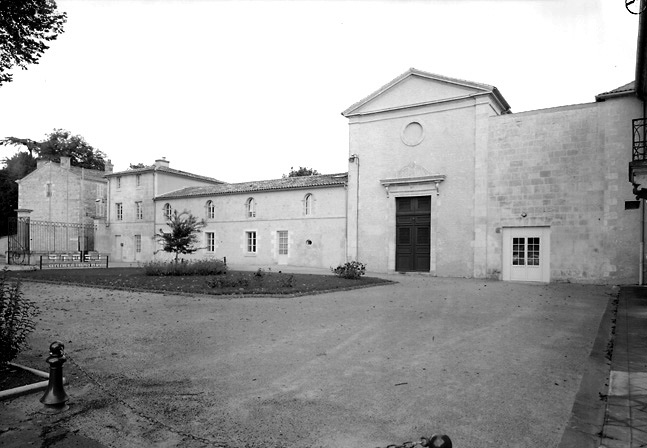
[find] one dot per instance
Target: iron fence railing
(27, 236)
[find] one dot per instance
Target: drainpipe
(641, 265)
(354, 158)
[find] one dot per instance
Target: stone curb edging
(587, 415)
(34, 387)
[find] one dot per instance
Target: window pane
(533, 251)
(283, 242)
(518, 251)
(251, 242)
(211, 241)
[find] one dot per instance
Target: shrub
(352, 270)
(16, 319)
(286, 281)
(229, 281)
(194, 267)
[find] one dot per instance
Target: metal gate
(27, 237)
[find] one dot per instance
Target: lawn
(232, 283)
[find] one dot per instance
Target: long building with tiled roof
(285, 183)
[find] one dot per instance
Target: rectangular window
(138, 179)
(518, 251)
(119, 209)
(533, 251)
(251, 242)
(139, 210)
(48, 190)
(283, 242)
(138, 243)
(119, 182)
(211, 241)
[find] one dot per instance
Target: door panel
(413, 234)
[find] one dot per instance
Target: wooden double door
(413, 234)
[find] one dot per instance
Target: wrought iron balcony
(639, 139)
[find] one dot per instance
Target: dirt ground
(488, 363)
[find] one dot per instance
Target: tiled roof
(413, 71)
(627, 89)
(86, 173)
(165, 169)
(286, 183)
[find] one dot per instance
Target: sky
(245, 90)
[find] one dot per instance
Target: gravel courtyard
(488, 363)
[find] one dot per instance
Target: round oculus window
(413, 134)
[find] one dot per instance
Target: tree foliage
(137, 166)
(183, 235)
(25, 27)
(61, 143)
(302, 171)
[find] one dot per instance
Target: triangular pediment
(415, 88)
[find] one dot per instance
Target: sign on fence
(74, 260)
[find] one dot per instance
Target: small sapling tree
(183, 235)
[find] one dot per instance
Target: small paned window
(138, 180)
(251, 242)
(307, 204)
(211, 241)
(119, 209)
(518, 251)
(250, 208)
(533, 251)
(168, 211)
(138, 243)
(211, 210)
(139, 210)
(283, 242)
(119, 182)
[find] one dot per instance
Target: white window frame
(167, 211)
(118, 180)
(282, 242)
(211, 210)
(251, 242)
(138, 243)
(210, 238)
(250, 208)
(139, 210)
(308, 203)
(138, 180)
(119, 211)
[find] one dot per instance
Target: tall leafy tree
(25, 27)
(302, 171)
(183, 235)
(61, 143)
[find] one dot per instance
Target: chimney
(162, 163)
(65, 162)
(108, 166)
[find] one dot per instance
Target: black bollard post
(437, 441)
(55, 397)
